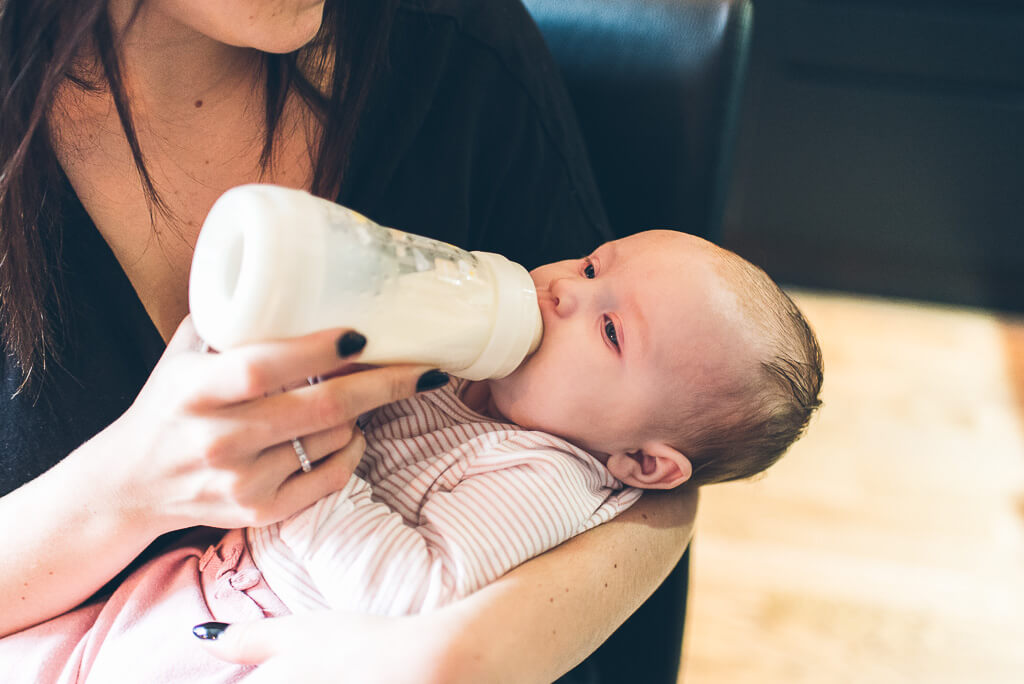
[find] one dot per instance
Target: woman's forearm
(208, 441)
(546, 616)
(65, 535)
(532, 625)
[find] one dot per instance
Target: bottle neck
(516, 328)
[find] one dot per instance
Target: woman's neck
(176, 74)
(198, 113)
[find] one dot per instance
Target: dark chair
(656, 86)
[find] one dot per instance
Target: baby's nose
(564, 295)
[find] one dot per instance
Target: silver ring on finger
(300, 451)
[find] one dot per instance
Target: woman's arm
(65, 536)
(206, 442)
(561, 606)
(532, 625)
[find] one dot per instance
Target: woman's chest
(153, 241)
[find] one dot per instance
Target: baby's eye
(609, 331)
(588, 269)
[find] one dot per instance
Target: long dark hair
(39, 42)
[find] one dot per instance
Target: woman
(122, 122)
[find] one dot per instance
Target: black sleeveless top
(468, 136)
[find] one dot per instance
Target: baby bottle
(274, 262)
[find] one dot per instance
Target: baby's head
(668, 358)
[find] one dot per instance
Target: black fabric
(108, 348)
(656, 84)
(471, 137)
(468, 137)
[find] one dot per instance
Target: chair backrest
(656, 87)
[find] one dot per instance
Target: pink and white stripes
(444, 502)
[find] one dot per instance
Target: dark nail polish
(431, 380)
(350, 343)
(210, 630)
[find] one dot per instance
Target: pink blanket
(142, 633)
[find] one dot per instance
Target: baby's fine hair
(762, 414)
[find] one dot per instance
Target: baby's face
(638, 326)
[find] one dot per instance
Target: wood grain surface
(888, 545)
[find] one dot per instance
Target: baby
(680, 361)
(665, 360)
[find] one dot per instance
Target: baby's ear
(656, 466)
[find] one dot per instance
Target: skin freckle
(199, 103)
(616, 565)
(644, 515)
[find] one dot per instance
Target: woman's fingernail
(350, 343)
(431, 380)
(210, 630)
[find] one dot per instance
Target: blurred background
(881, 148)
(888, 545)
(878, 173)
(869, 155)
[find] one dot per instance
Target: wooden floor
(888, 545)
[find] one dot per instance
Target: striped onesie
(444, 502)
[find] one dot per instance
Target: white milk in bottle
(274, 262)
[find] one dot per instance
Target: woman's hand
(333, 646)
(530, 626)
(209, 440)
